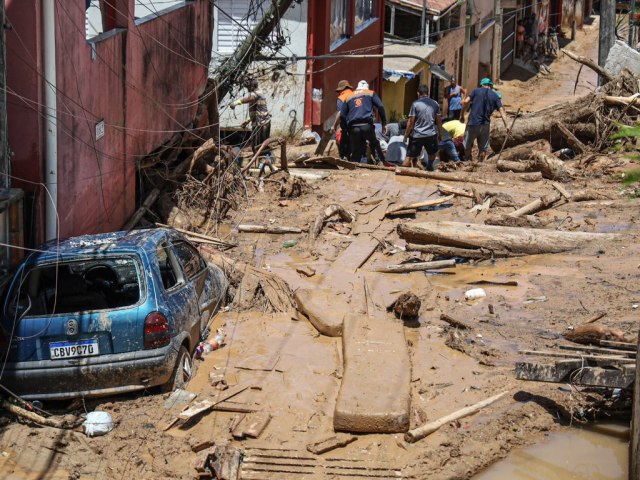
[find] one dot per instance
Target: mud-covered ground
(296, 372)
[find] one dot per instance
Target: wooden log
(552, 168)
(525, 221)
(563, 191)
(267, 229)
(268, 142)
(500, 199)
(39, 419)
(200, 236)
(326, 214)
(416, 267)
(621, 101)
(524, 151)
(450, 176)
(426, 203)
(541, 203)
(445, 251)
(535, 126)
(528, 177)
(512, 166)
(576, 144)
(419, 433)
(454, 322)
(588, 194)
(512, 239)
(146, 205)
(283, 156)
(588, 63)
(627, 346)
(196, 159)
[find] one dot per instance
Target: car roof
(103, 243)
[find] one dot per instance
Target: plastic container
(474, 294)
(97, 423)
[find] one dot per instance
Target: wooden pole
(607, 31)
(497, 41)
(4, 144)
(634, 441)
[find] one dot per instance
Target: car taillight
(156, 331)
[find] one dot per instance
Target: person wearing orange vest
(358, 114)
(345, 90)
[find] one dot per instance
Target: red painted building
(337, 27)
(119, 95)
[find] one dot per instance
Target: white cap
(363, 85)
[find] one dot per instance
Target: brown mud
(295, 373)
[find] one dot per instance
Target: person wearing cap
(454, 94)
(424, 129)
(357, 111)
(260, 120)
(481, 103)
(345, 90)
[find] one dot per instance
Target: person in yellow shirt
(452, 145)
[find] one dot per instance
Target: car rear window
(96, 284)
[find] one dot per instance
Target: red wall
(143, 81)
(24, 62)
(325, 74)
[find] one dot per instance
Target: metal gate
(508, 39)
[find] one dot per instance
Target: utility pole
(632, 27)
(497, 41)
(234, 67)
(607, 31)
(467, 45)
(4, 143)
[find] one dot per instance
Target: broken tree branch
(576, 144)
(541, 203)
(416, 267)
(426, 203)
(267, 229)
(326, 214)
(454, 322)
(588, 63)
(419, 433)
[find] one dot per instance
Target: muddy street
(347, 320)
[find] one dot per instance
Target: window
(80, 286)
(191, 261)
(339, 26)
(365, 11)
(168, 270)
(235, 19)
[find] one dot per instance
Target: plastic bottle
(475, 293)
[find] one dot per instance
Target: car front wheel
(182, 371)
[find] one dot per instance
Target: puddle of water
(582, 454)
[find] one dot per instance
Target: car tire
(182, 372)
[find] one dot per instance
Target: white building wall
(285, 91)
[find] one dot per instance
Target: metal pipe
(51, 123)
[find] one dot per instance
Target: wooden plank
(577, 356)
(585, 348)
(205, 405)
(634, 440)
(619, 345)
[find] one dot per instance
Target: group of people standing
(424, 129)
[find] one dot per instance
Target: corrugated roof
(437, 6)
(405, 64)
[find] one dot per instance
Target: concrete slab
(622, 56)
(375, 393)
(325, 309)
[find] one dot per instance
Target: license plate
(81, 348)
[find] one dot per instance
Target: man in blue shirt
(424, 127)
(454, 94)
(484, 102)
(357, 110)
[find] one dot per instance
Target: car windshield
(77, 286)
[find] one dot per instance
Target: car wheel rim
(186, 369)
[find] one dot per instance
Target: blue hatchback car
(105, 314)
